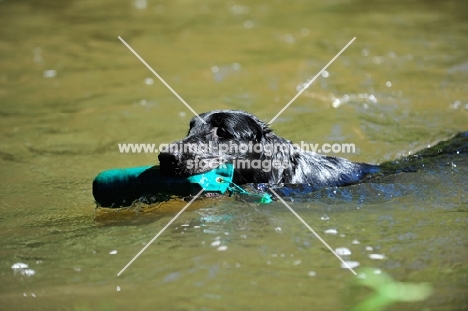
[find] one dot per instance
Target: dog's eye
(220, 132)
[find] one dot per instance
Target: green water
(70, 91)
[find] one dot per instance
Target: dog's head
(258, 155)
(226, 136)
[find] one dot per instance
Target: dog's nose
(167, 158)
(167, 163)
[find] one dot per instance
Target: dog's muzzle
(168, 163)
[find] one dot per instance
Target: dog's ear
(238, 126)
(195, 123)
(254, 128)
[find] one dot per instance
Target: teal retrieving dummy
(121, 187)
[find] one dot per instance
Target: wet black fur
(235, 127)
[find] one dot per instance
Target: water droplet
(20, 265)
(289, 39)
(331, 231)
(238, 9)
(343, 251)
(149, 81)
(140, 4)
(336, 103)
(49, 73)
(216, 243)
(456, 104)
(27, 272)
(350, 264)
(376, 256)
(248, 24)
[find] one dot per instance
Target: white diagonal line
(313, 231)
(311, 81)
(161, 79)
(160, 232)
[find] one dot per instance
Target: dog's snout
(171, 149)
(167, 163)
(167, 157)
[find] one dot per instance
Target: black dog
(258, 155)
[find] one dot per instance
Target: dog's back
(238, 137)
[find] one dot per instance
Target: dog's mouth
(172, 165)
